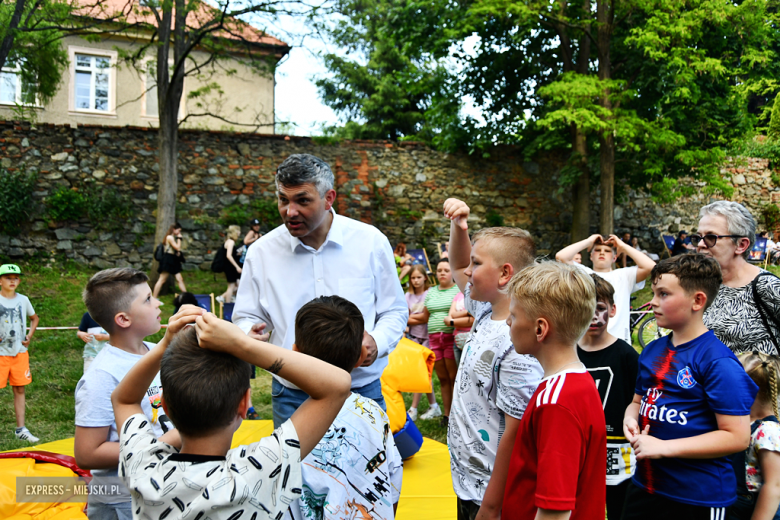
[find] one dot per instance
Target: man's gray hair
(738, 219)
(303, 168)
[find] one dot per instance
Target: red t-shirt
(560, 454)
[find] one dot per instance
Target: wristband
(452, 322)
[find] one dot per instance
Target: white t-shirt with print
(624, 282)
(13, 323)
(492, 380)
(260, 480)
(94, 409)
(356, 467)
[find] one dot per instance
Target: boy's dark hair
(185, 298)
(195, 408)
(330, 328)
(110, 292)
(694, 272)
(604, 290)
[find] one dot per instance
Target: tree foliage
(640, 93)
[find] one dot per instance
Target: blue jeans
(99, 511)
(287, 400)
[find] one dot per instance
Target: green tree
(384, 85)
(30, 33)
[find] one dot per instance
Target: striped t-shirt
(438, 303)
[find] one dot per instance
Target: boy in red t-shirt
(558, 465)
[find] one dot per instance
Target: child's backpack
(220, 261)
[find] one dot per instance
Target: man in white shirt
(625, 281)
(319, 253)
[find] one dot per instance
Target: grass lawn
(56, 362)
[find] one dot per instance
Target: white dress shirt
(281, 274)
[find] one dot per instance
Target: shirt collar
(335, 235)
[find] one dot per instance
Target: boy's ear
(507, 272)
(543, 329)
(363, 355)
(122, 320)
(613, 311)
(699, 301)
(243, 404)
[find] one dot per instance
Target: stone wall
(753, 187)
(399, 187)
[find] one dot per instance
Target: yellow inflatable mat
(426, 493)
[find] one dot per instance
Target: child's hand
(217, 334)
(630, 428)
(187, 314)
(86, 337)
(457, 211)
(648, 447)
(615, 242)
(26, 341)
(594, 240)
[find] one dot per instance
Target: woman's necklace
(560, 369)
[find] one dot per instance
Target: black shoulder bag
(765, 312)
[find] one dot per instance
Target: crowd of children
(550, 412)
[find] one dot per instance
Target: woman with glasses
(746, 312)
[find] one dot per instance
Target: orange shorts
(15, 369)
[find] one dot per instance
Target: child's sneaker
(220, 299)
(433, 411)
(24, 434)
(412, 414)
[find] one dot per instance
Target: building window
(11, 87)
(150, 90)
(92, 85)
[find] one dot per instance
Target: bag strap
(760, 304)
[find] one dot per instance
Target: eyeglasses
(710, 240)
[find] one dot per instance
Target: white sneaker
(433, 411)
(412, 414)
(25, 435)
(220, 299)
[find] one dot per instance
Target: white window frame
(98, 53)
(15, 70)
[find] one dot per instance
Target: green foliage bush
(16, 190)
(104, 206)
(771, 216)
(107, 208)
(265, 210)
(494, 219)
(66, 204)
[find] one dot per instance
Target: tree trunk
(605, 18)
(8, 40)
(580, 226)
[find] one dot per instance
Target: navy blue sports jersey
(682, 389)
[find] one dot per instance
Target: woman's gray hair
(738, 219)
(303, 168)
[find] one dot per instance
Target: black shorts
(641, 505)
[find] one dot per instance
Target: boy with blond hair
(691, 406)
(14, 339)
(493, 383)
(558, 466)
(198, 475)
(119, 300)
(625, 281)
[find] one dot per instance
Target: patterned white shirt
(765, 437)
(355, 471)
(260, 480)
(492, 380)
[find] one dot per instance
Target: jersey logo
(685, 378)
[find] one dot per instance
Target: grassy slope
(56, 363)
